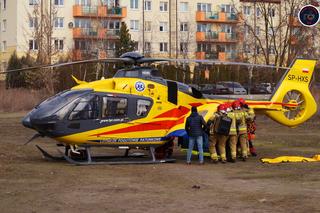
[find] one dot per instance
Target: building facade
(226, 30)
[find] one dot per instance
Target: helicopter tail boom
(292, 102)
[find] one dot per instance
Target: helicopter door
(84, 116)
(172, 92)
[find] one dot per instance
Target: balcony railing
(99, 11)
(217, 17)
(93, 33)
(211, 35)
(113, 33)
(216, 37)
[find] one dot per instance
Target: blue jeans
(199, 141)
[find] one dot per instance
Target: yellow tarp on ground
(290, 159)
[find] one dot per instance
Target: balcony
(89, 33)
(117, 12)
(87, 54)
(221, 56)
(89, 11)
(217, 17)
(218, 37)
(113, 34)
(99, 11)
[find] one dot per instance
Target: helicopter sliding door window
(172, 92)
(86, 108)
(114, 107)
(143, 107)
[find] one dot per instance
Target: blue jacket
(195, 125)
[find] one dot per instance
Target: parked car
(267, 86)
(214, 89)
(234, 87)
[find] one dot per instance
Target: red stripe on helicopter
(200, 104)
(157, 125)
(270, 103)
(174, 113)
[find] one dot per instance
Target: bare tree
(274, 33)
(43, 16)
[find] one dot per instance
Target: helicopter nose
(26, 122)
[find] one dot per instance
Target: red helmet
(222, 107)
(236, 104)
(242, 101)
(229, 105)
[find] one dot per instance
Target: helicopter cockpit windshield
(58, 102)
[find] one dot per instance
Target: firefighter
(251, 125)
(233, 134)
(212, 124)
(222, 130)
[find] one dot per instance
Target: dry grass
(16, 100)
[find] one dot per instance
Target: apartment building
(83, 29)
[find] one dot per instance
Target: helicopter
(137, 108)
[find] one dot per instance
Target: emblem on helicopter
(139, 86)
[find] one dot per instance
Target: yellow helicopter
(138, 108)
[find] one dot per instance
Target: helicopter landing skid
(48, 156)
(90, 160)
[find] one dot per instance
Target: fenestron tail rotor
(294, 97)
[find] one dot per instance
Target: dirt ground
(29, 183)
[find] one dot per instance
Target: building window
(163, 26)
(184, 26)
(33, 2)
(163, 6)
(4, 25)
(58, 2)
(134, 25)
(4, 4)
(226, 28)
(83, 2)
(4, 46)
(134, 4)
(147, 26)
(258, 12)
(33, 22)
(257, 30)
(272, 50)
(246, 10)
(246, 30)
(147, 47)
(227, 8)
(147, 5)
(247, 48)
(184, 47)
(184, 7)
(58, 44)
(204, 27)
(58, 22)
(33, 45)
(163, 47)
(271, 12)
(82, 23)
(204, 7)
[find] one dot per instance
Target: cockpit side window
(86, 108)
(114, 107)
(143, 107)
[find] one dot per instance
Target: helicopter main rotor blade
(105, 60)
(217, 62)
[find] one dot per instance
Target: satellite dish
(70, 25)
